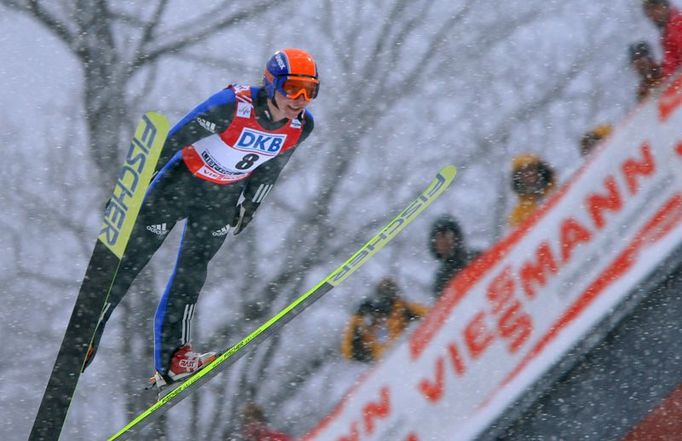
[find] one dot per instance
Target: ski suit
(225, 154)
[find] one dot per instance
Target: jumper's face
(289, 108)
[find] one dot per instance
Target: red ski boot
(184, 363)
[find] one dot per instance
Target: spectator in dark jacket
(647, 69)
(447, 244)
(668, 20)
(379, 322)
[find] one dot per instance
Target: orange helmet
(292, 72)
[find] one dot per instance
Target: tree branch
(35, 10)
(204, 30)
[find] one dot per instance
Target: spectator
(254, 425)
(593, 137)
(378, 323)
(532, 180)
(447, 244)
(668, 20)
(649, 72)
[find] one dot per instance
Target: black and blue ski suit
(217, 165)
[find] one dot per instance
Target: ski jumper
(225, 149)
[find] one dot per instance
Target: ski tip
(449, 171)
(158, 119)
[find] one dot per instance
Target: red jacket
(671, 40)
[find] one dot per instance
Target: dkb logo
(261, 142)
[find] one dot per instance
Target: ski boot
(184, 363)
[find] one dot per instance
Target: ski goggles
(292, 87)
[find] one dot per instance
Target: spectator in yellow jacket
(378, 323)
(532, 180)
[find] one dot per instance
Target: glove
(243, 215)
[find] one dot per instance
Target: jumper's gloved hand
(243, 215)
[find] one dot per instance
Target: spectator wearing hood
(378, 322)
(447, 244)
(532, 180)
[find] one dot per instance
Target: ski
(230, 355)
(119, 218)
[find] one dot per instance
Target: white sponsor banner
(517, 309)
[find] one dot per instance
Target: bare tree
(114, 44)
(419, 59)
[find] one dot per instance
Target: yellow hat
(602, 131)
(524, 159)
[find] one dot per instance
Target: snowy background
(406, 88)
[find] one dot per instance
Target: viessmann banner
(517, 309)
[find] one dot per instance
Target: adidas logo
(208, 125)
(158, 229)
(222, 232)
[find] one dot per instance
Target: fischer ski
(231, 354)
(119, 218)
